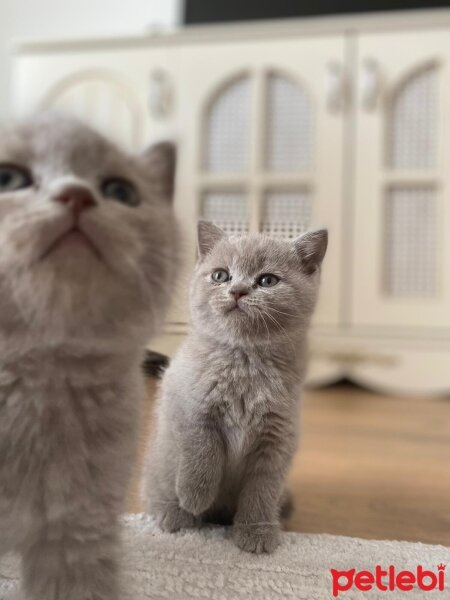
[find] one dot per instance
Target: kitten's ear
(311, 248)
(160, 162)
(208, 236)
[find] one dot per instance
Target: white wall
(47, 19)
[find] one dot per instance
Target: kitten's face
(87, 234)
(254, 287)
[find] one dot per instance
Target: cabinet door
(401, 253)
(262, 143)
(125, 92)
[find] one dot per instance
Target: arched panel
(227, 131)
(412, 121)
(104, 102)
(289, 143)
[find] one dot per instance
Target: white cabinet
(282, 127)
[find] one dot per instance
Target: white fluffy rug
(205, 564)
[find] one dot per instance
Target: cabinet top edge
(193, 34)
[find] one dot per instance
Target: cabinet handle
(371, 84)
(335, 87)
(160, 97)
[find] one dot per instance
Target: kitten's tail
(286, 506)
(154, 364)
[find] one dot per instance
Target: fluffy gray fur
(75, 313)
(228, 408)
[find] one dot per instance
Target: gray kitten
(86, 264)
(228, 411)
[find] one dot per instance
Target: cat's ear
(311, 248)
(160, 162)
(208, 236)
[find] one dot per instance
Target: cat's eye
(13, 178)
(120, 190)
(268, 280)
(220, 276)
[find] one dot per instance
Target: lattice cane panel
(410, 243)
(227, 210)
(228, 129)
(286, 214)
(289, 126)
(412, 132)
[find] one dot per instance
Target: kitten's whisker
(283, 313)
(271, 306)
(267, 329)
(280, 328)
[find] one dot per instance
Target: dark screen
(214, 11)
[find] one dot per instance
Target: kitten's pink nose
(238, 293)
(77, 197)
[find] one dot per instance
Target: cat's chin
(61, 301)
(235, 311)
(72, 244)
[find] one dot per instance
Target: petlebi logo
(388, 580)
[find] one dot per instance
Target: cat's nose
(238, 293)
(77, 197)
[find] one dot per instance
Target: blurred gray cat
(86, 265)
(228, 411)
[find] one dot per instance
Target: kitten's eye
(220, 276)
(13, 178)
(120, 190)
(268, 280)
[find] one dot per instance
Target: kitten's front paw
(174, 518)
(195, 497)
(256, 538)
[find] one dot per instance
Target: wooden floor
(368, 466)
